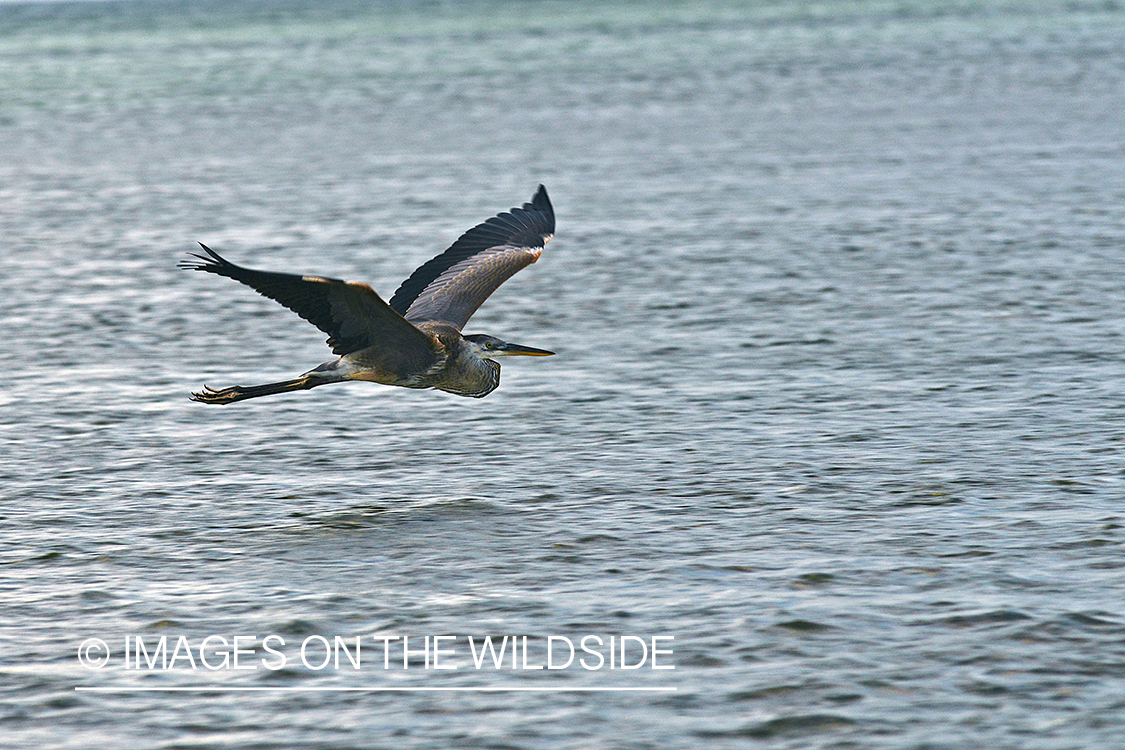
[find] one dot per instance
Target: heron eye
(488, 345)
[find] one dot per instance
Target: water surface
(836, 292)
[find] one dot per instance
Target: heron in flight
(415, 340)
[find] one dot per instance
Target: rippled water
(836, 292)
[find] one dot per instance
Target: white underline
(371, 689)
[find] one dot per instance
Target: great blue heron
(415, 340)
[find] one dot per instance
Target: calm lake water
(836, 416)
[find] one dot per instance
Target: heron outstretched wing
(453, 285)
(351, 313)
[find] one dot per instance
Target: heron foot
(211, 395)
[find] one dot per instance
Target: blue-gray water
(837, 297)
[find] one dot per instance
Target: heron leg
(211, 395)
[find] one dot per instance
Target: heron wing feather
(450, 287)
(351, 313)
(455, 295)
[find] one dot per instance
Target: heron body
(415, 340)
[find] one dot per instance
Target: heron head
(491, 347)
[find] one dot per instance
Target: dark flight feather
(351, 313)
(529, 226)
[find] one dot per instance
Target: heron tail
(210, 395)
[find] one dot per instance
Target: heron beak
(511, 349)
